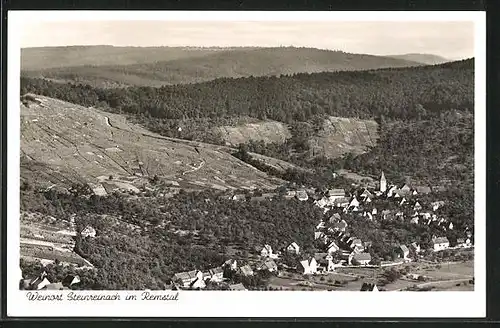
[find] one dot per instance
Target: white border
(254, 304)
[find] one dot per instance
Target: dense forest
(189, 231)
(405, 93)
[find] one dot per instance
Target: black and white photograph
(291, 157)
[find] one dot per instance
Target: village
(340, 260)
(338, 250)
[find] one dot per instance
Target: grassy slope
(161, 66)
(63, 143)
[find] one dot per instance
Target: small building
(293, 248)
(440, 243)
(266, 251)
(335, 194)
(417, 206)
(55, 286)
(71, 280)
(416, 247)
(246, 270)
(88, 232)
(340, 226)
(341, 202)
(216, 274)
(368, 287)
(402, 252)
(354, 203)
(355, 242)
(383, 183)
(302, 195)
(268, 265)
(335, 218)
(309, 266)
(464, 242)
(324, 262)
(332, 248)
(231, 264)
(423, 190)
(360, 258)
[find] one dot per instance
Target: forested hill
(427, 59)
(404, 93)
(168, 66)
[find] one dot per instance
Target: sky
(452, 40)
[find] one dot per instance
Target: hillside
(63, 143)
(427, 59)
(167, 66)
(336, 137)
(404, 93)
(38, 58)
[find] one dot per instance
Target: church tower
(383, 183)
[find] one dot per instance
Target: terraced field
(62, 143)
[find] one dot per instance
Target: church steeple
(383, 183)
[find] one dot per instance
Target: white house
(293, 248)
(309, 266)
(354, 203)
(335, 194)
(324, 262)
(440, 243)
(332, 248)
(88, 232)
(334, 218)
(302, 195)
(417, 206)
(266, 251)
(360, 258)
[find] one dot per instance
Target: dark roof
(440, 240)
(367, 287)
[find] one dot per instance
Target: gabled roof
(55, 286)
(404, 248)
(334, 217)
(336, 192)
(367, 287)
(269, 265)
(217, 270)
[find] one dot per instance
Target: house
(55, 286)
(450, 226)
(440, 243)
(355, 242)
(414, 220)
(403, 200)
(367, 287)
(302, 195)
(231, 264)
(366, 194)
(385, 214)
(332, 248)
(335, 194)
(391, 191)
(402, 252)
(237, 287)
(268, 265)
(415, 247)
(293, 248)
(309, 266)
(340, 226)
(246, 270)
(436, 205)
(354, 203)
(417, 206)
(185, 279)
(239, 197)
(464, 242)
(374, 211)
(360, 258)
(216, 274)
(334, 218)
(88, 232)
(319, 235)
(266, 251)
(199, 281)
(341, 202)
(71, 280)
(36, 283)
(422, 190)
(324, 262)
(383, 183)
